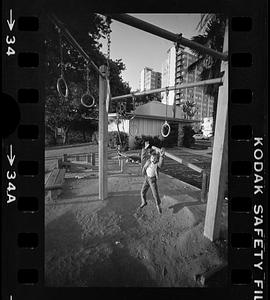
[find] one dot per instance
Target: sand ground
(89, 242)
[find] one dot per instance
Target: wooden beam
(171, 88)
(219, 168)
(103, 135)
(180, 160)
(63, 30)
(176, 38)
(81, 164)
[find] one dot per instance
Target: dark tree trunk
(66, 136)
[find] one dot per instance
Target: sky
(139, 49)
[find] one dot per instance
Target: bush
(49, 140)
(113, 140)
(188, 139)
(154, 141)
(169, 141)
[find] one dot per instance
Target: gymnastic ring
(166, 124)
(83, 100)
(65, 95)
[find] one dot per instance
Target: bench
(76, 162)
(54, 182)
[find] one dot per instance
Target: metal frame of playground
(219, 169)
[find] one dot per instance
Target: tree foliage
(189, 109)
(69, 112)
(212, 27)
(212, 36)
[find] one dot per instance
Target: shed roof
(157, 110)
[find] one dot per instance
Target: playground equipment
(165, 126)
(54, 181)
(133, 129)
(218, 174)
(61, 80)
(78, 160)
(87, 96)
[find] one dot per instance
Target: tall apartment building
(174, 72)
(149, 79)
(168, 75)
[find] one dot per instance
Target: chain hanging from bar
(87, 98)
(108, 35)
(166, 128)
(133, 104)
(133, 129)
(61, 82)
(108, 96)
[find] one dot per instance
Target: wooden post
(219, 168)
(205, 183)
(122, 165)
(103, 136)
(59, 163)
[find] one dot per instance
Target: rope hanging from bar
(133, 130)
(87, 98)
(108, 96)
(166, 126)
(61, 82)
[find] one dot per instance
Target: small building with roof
(147, 120)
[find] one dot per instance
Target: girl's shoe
(142, 205)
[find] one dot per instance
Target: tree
(69, 113)
(189, 109)
(212, 27)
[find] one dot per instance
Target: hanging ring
(85, 98)
(62, 80)
(164, 125)
(121, 108)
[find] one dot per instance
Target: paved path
(204, 152)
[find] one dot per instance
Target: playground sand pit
(89, 242)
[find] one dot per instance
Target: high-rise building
(174, 72)
(149, 79)
(168, 75)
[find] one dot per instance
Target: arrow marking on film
(10, 22)
(10, 157)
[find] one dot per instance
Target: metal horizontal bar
(170, 88)
(180, 160)
(177, 38)
(74, 43)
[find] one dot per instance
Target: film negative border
(24, 257)
(247, 145)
